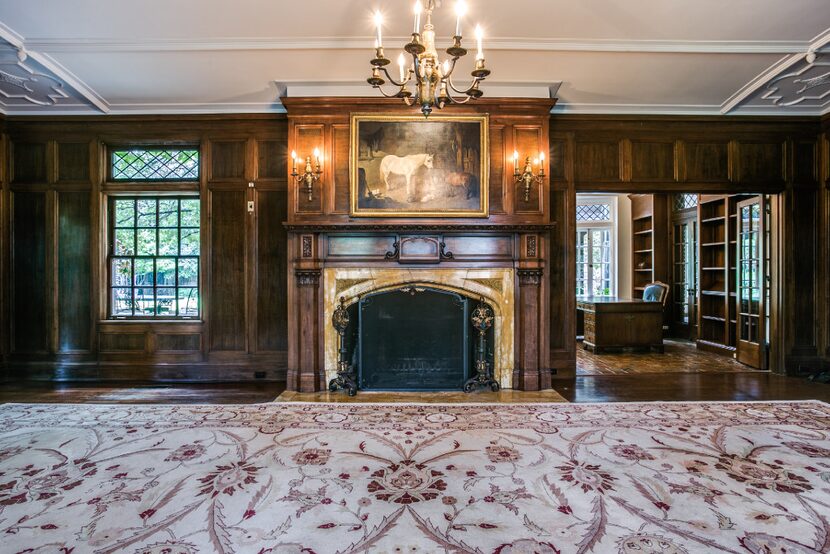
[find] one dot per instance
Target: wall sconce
(309, 175)
(527, 177)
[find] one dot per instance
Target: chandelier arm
(393, 81)
(384, 93)
(452, 86)
(452, 68)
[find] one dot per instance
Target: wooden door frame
(757, 357)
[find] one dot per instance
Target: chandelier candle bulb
(460, 10)
(479, 38)
(378, 24)
(418, 9)
(401, 63)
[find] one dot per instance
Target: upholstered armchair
(656, 292)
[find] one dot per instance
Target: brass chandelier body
(431, 80)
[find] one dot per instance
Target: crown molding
(76, 45)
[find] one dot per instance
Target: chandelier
(431, 78)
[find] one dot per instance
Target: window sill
(150, 320)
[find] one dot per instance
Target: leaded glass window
(593, 212)
(684, 201)
(154, 164)
(154, 257)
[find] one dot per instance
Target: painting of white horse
(405, 166)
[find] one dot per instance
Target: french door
(684, 299)
(752, 282)
(594, 262)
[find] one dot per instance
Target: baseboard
(170, 373)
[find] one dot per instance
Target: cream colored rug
(301, 478)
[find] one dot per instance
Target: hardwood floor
(754, 385)
(601, 388)
(680, 356)
(142, 393)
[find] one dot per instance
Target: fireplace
(334, 252)
(397, 294)
(413, 338)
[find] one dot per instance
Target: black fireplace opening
(414, 338)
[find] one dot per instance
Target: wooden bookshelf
(718, 255)
(649, 241)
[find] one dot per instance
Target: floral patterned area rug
(665, 478)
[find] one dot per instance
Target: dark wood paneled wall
(824, 233)
(52, 279)
(52, 255)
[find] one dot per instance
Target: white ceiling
(597, 56)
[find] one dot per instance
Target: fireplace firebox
(413, 338)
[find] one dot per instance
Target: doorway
(715, 253)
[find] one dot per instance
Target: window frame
(612, 225)
(110, 255)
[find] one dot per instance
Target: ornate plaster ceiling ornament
(19, 81)
(811, 82)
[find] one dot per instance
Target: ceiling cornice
(70, 45)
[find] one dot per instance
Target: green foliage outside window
(154, 257)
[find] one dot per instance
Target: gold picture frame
(408, 166)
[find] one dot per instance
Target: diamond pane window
(154, 257)
(154, 164)
(593, 212)
(684, 201)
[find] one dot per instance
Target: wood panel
(527, 141)
(122, 342)
(29, 162)
(761, 162)
(272, 157)
(31, 292)
(272, 267)
(652, 161)
(73, 162)
(596, 161)
(497, 168)
(305, 139)
(705, 162)
(74, 271)
(227, 160)
(340, 163)
(227, 272)
(179, 342)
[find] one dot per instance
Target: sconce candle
(309, 174)
(527, 177)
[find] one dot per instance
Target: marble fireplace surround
(496, 285)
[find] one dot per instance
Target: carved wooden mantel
(322, 235)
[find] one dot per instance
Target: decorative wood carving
(308, 277)
(530, 277)
(307, 241)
